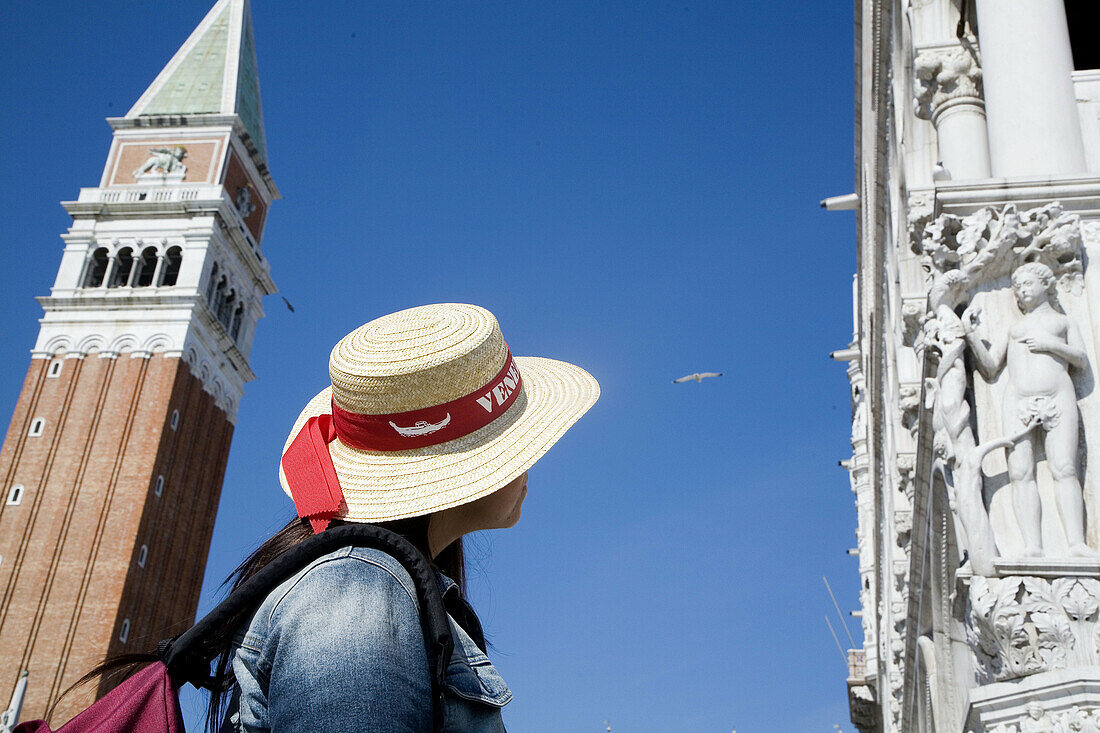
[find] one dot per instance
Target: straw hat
(439, 378)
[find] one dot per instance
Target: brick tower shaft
(112, 466)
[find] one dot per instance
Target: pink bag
(144, 703)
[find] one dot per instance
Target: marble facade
(976, 339)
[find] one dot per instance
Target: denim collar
(446, 585)
(460, 609)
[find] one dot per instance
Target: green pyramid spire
(214, 72)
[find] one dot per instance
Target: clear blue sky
(630, 186)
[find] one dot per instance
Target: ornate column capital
(945, 76)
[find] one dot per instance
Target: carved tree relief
(964, 255)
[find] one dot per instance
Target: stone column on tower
(112, 466)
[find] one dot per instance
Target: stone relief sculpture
(1077, 720)
(963, 255)
(920, 210)
(1037, 720)
(1018, 626)
(163, 162)
(946, 75)
(957, 458)
(1003, 728)
(243, 202)
(1004, 324)
(1039, 351)
(989, 244)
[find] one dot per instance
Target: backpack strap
(188, 655)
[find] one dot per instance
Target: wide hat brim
(380, 486)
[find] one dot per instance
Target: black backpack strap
(188, 655)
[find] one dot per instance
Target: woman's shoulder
(347, 617)
(360, 582)
(355, 570)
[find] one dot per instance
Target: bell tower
(112, 466)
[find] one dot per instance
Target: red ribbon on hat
(307, 463)
(310, 474)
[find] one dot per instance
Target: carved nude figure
(1039, 351)
(953, 441)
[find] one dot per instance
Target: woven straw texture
(426, 356)
(416, 358)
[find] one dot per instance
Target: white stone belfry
(973, 365)
(164, 255)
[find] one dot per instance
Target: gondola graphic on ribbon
(422, 427)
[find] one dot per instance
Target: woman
(428, 429)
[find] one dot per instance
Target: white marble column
(112, 267)
(1027, 63)
(158, 271)
(949, 93)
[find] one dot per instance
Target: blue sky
(630, 186)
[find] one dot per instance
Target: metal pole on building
(838, 613)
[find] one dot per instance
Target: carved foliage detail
(1040, 719)
(989, 243)
(1019, 626)
(944, 75)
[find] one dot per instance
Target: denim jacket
(338, 647)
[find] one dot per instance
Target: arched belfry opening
(124, 268)
(97, 268)
(147, 268)
(173, 262)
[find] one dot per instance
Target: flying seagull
(698, 377)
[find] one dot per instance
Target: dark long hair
(450, 562)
